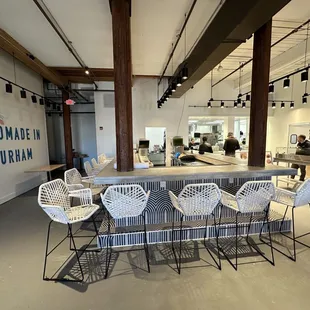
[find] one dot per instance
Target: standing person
(231, 145)
(205, 147)
(303, 148)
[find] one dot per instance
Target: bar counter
(228, 167)
(227, 172)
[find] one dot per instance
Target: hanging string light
(304, 75)
(211, 88)
(240, 94)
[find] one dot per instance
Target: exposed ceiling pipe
(250, 60)
(95, 90)
(52, 21)
(178, 39)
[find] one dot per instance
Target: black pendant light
(282, 105)
(292, 105)
(34, 98)
(169, 92)
(273, 105)
(239, 100)
(304, 100)
(184, 73)
(8, 88)
(58, 108)
(243, 104)
(222, 104)
(179, 81)
(271, 89)
(41, 101)
(209, 105)
(173, 87)
(286, 83)
(304, 76)
(248, 97)
(23, 94)
(54, 106)
(48, 104)
(235, 104)
(159, 104)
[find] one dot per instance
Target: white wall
(279, 124)
(21, 113)
(105, 119)
(155, 135)
(173, 115)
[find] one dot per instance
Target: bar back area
(154, 154)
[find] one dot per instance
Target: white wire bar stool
(90, 171)
(54, 199)
(103, 159)
(293, 200)
(97, 166)
(125, 201)
(75, 181)
(195, 200)
(252, 198)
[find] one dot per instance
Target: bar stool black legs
(249, 242)
(294, 238)
(76, 251)
(177, 259)
(217, 232)
(146, 248)
(178, 256)
(110, 245)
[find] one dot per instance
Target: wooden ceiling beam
(12, 47)
(77, 75)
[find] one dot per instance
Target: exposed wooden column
(259, 93)
(120, 10)
(67, 130)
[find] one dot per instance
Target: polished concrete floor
(256, 285)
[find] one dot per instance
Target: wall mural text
(8, 133)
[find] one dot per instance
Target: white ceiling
(155, 26)
(87, 24)
(291, 16)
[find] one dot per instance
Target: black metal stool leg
(46, 249)
(270, 239)
(76, 253)
(180, 255)
(146, 248)
(236, 258)
(109, 249)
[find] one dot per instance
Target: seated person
(205, 147)
(191, 143)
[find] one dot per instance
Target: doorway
(157, 148)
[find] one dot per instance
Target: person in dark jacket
(205, 147)
(303, 148)
(231, 145)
